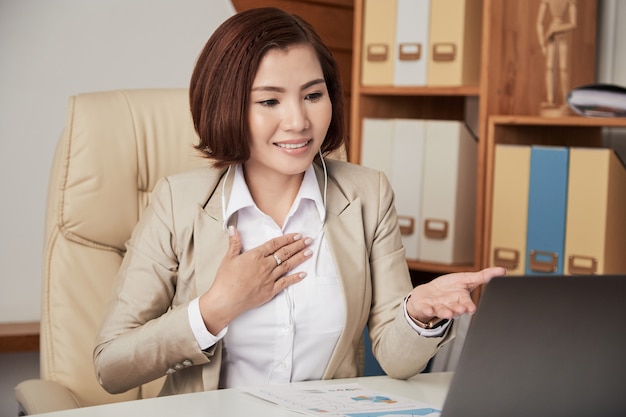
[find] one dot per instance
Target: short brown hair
(225, 70)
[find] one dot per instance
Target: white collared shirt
(291, 337)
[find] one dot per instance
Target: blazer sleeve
(146, 332)
(399, 349)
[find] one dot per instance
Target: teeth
(292, 145)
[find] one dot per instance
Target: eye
(314, 96)
(268, 103)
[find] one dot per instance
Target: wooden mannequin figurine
(554, 47)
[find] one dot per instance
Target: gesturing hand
(449, 295)
(247, 280)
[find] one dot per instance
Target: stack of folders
(431, 165)
(421, 42)
(558, 210)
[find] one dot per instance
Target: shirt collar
(241, 198)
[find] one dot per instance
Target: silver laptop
(544, 346)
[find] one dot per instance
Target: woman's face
(290, 111)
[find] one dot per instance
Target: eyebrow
(281, 90)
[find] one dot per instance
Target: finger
(234, 241)
(488, 274)
(474, 279)
(276, 260)
(284, 282)
(463, 306)
(288, 262)
(273, 245)
(288, 251)
(450, 311)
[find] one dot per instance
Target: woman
(265, 266)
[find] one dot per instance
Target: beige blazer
(174, 253)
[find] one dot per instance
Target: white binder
(448, 194)
(406, 180)
(377, 144)
(396, 147)
(411, 45)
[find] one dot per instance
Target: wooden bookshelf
(510, 94)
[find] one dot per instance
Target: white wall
(49, 50)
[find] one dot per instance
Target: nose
(295, 117)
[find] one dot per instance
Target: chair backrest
(114, 148)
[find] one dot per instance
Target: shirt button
(178, 366)
(187, 363)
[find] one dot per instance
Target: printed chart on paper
(342, 400)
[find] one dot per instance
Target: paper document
(342, 400)
(599, 100)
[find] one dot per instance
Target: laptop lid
(544, 346)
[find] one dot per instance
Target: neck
(274, 196)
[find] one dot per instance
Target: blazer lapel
(344, 230)
(209, 236)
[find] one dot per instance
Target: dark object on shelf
(598, 100)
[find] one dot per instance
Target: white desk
(429, 388)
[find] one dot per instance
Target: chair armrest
(36, 396)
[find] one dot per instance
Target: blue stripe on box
(547, 210)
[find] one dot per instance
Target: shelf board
(419, 91)
(437, 267)
(19, 337)
(559, 121)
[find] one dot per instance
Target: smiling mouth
(293, 145)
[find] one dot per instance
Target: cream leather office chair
(114, 148)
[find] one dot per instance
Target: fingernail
(302, 275)
(297, 237)
(308, 252)
(308, 240)
(231, 230)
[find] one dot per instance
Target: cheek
(259, 125)
(324, 116)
